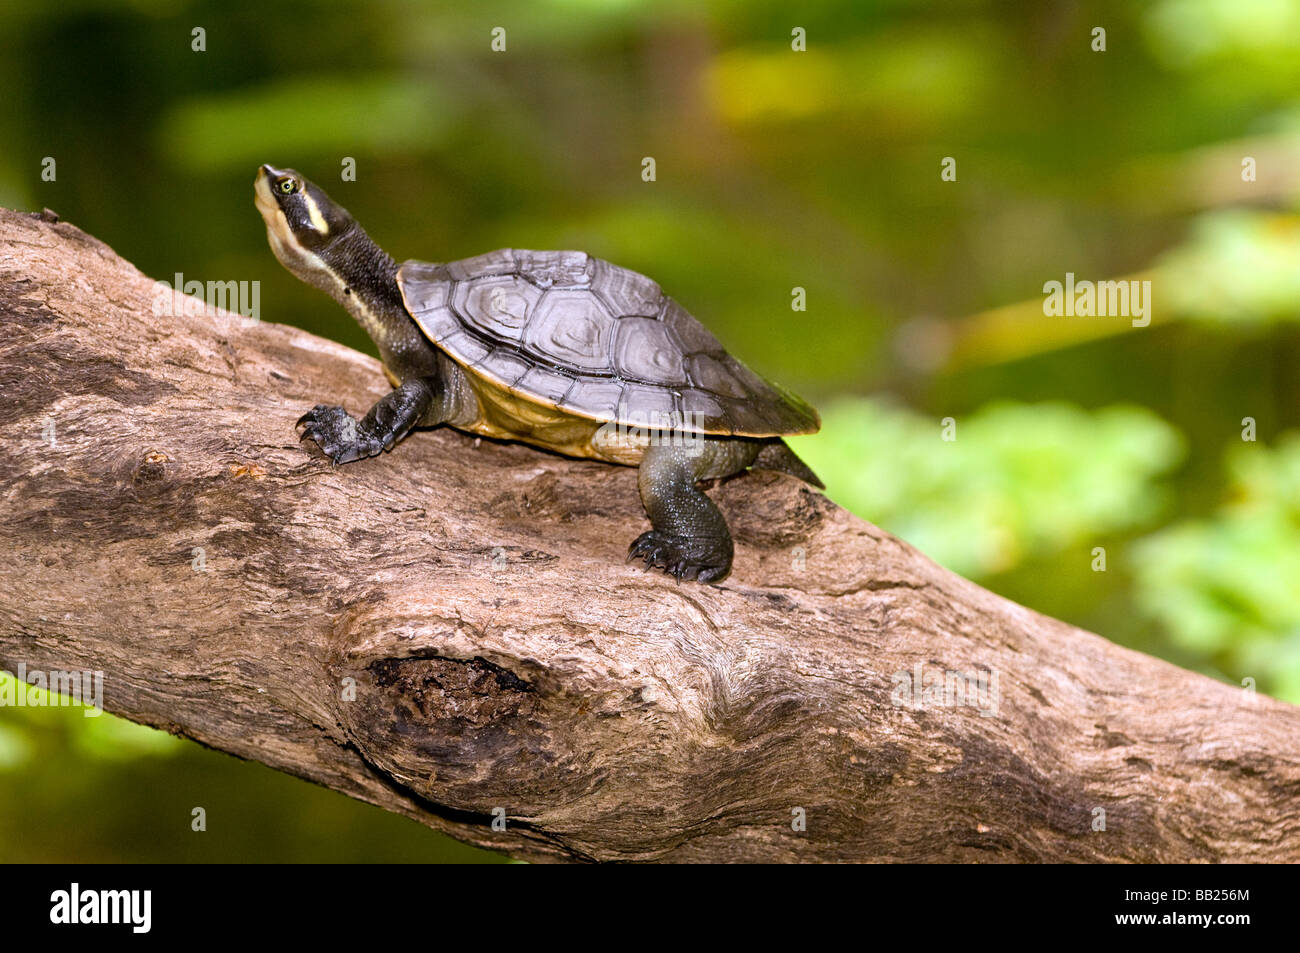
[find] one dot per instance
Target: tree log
(449, 631)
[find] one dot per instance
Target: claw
(682, 557)
(310, 417)
(337, 434)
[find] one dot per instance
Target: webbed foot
(705, 558)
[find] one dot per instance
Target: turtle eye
(287, 186)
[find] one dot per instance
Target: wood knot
(773, 511)
(435, 722)
(151, 469)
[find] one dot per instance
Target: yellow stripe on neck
(317, 219)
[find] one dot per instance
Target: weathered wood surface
(504, 656)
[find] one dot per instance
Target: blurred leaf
(1240, 265)
(1019, 479)
(15, 747)
(112, 738)
(102, 736)
(1229, 586)
(308, 116)
(938, 74)
(1195, 33)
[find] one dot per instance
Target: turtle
(558, 349)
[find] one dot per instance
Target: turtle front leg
(690, 539)
(343, 438)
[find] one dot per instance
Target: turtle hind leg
(690, 539)
(343, 438)
(778, 456)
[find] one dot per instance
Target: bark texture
(450, 630)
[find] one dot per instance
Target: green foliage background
(775, 169)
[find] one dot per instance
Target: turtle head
(304, 226)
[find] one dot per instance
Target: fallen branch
(449, 630)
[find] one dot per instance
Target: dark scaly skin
(690, 539)
(319, 242)
(343, 438)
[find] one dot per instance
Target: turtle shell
(571, 331)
